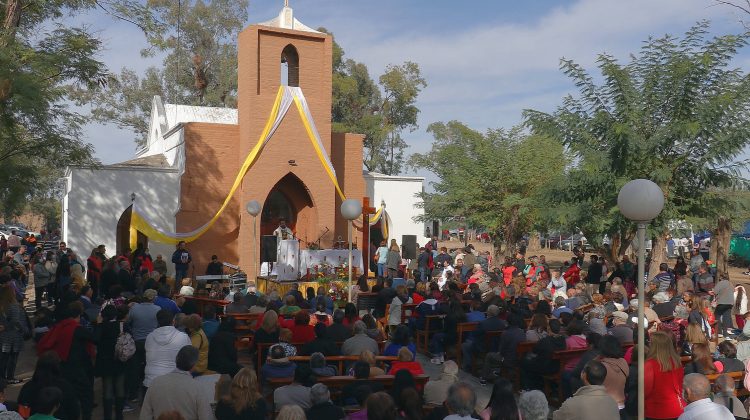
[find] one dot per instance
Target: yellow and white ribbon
(286, 95)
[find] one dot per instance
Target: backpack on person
(124, 346)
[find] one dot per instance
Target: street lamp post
(351, 209)
(641, 201)
(253, 208)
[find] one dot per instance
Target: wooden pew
(563, 356)
(423, 336)
(262, 348)
(739, 378)
(342, 361)
(202, 302)
(338, 382)
(463, 328)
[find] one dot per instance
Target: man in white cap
(621, 330)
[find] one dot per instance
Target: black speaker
(268, 248)
(409, 247)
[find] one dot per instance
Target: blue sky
(484, 61)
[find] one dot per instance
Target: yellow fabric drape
(139, 222)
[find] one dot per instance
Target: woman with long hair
(663, 379)
(393, 260)
(360, 287)
(351, 315)
(537, 328)
(693, 335)
(11, 337)
(701, 361)
(680, 267)
(502, 404)
(268, 331)
(701, 314)
(410, 405)
(244, 400)
(740, 305)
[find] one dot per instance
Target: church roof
(286, 20)
(153, 161)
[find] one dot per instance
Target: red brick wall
(210, 169)
(347, 159)
(259, 79)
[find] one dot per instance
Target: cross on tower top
(286, 3)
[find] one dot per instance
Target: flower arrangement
(324, 273)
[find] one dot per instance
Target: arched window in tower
(289, 66)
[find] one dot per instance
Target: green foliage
(675, 113)
(492, 179)
(199, 66)
(40, 61)
(381, 112)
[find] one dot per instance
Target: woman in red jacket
(302, 331)
(663, 379)
(573, 274)
(406, 362)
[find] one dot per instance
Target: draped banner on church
(284, 99)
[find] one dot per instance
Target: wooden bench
(423, 336)
(463, 328)
(739, 384)
(246, 324)
(342, 361)
(262, 348)
(366, 301)
(562, 356)
(202, 302)
(338, 382)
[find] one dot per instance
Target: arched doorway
(289, 199)
(123, 232)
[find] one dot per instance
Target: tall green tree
(676, 113)
(493, 179)
(41, 59)
(380, 111)
(198, 40)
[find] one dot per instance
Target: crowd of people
(154, 351)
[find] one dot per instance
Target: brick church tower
(288, 179)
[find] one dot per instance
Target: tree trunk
(534, 242)
(658, 254)
(12, 16)
(720, 239)
(497, 244)
(511, 233)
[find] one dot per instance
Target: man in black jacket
(321, 343)
(594, 276)
(338, 332)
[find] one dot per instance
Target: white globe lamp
(641, 201)
(253, 209)
(351, 209)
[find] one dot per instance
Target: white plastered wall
(96, 198)
(399, 194)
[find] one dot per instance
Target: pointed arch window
(289, 66)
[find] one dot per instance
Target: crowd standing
(262, 355)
